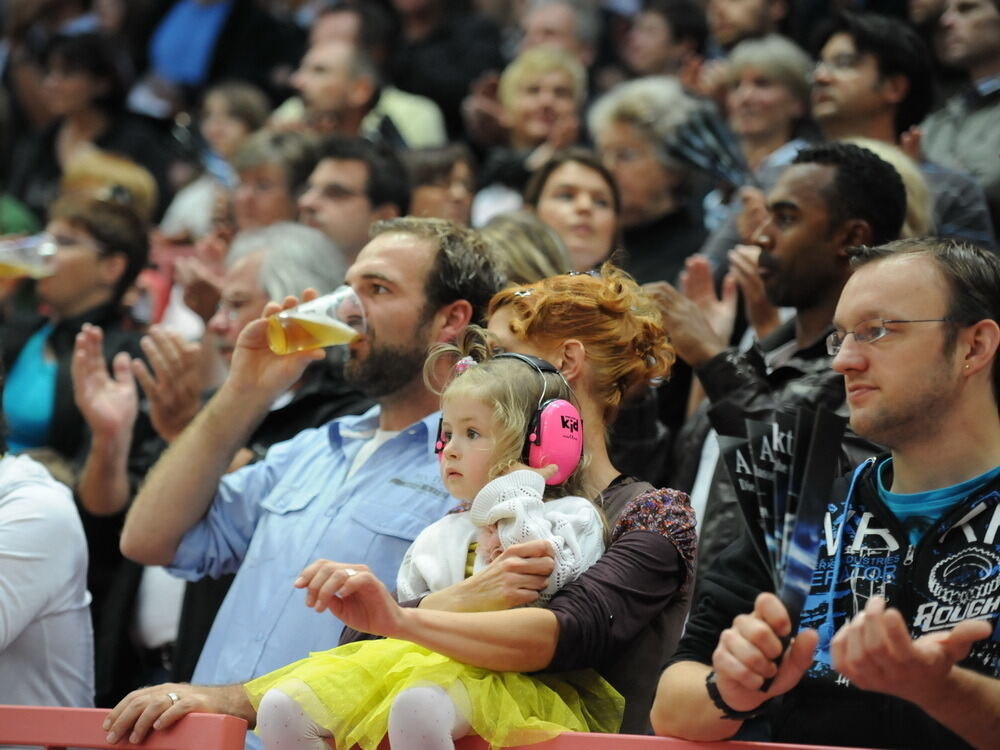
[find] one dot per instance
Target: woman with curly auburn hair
(624, 615)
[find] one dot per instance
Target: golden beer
(9, 270)
(296, 331)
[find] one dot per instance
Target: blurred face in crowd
(553, 26)
(847, 87)
(263, 197)
(324, 78)
(224, 133)
(539, 103)
(69, 91)
(925, 11)
(645, 185)
(579, 205)
(970, 34)
(242, 301)
(732, 21)
(450, 197)
(650, 48)
(336, 203)
(798, 257)
(760, 106)
(85, 276)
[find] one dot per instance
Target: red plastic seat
(580, 741)
(59, 728)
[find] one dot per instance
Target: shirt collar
(363, 426)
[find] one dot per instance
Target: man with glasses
(917, 531)
(874, 80)
(831, 198)
(354, 184)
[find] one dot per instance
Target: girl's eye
(446, 437)
(471, 434)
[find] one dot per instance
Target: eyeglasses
(869, 331)
(839, 62)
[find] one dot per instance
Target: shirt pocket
(389, 520)
(284, 526)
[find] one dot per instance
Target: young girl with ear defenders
(510, 437)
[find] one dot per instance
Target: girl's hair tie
(464, 364)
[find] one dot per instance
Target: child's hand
(547, 471)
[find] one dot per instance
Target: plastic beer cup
(335, 318)
(33, 256)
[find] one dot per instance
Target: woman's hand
(512, 580)
(352, 594)
(108, 404)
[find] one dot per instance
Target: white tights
(421, 718)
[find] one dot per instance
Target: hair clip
(522, 293)
(464, 364)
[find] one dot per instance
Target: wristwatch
(728, 712)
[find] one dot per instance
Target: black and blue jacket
(951, 575)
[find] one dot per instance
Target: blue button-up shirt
(271, 519)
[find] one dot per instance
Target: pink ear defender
(555, 432)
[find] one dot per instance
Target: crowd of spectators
(699, 172)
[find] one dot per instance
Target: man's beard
(386, 369)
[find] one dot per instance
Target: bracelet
(728, 712)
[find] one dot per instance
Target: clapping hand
(109, 404)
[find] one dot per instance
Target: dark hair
(378, 29)
(99, 55)
(686, 19)
(971, 273)
(864, 187)
(387, 181)
(898, 50)
(116, 225)
(464, 266)
(427, 166)
(572, 155)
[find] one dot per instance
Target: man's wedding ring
(173, 698)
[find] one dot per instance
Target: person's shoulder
(663, 510)
(27, 486)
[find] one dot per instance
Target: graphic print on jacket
(951, 575)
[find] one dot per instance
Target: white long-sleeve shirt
(572, 525)
(46, 643)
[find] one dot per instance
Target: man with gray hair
(262, 264)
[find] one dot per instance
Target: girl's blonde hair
(513, 389)
(618, 324)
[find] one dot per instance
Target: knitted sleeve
(572, 525)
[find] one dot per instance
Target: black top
(656, 251)
(443, 65)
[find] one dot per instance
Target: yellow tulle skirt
(350, 689)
